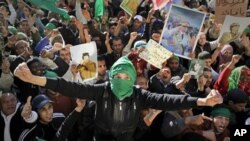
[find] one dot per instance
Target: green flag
(50, 5)
(99, 8)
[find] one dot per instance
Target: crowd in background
(43, 39)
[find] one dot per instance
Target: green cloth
(50, 74)
(247, 30)
(21, 36)
(50, 26)
(50, 5)
(12, 30)
(120, 87)
(221, 111)
(99, 8)
(234, 78)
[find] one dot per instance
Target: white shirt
(7, 120)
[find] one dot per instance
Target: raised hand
(80, 104)
(213, 98)
(235, 59)
(133, 35)
(27, 108)
(186, 77)
(57, 46)
(23, 72)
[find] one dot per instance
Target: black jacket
(17, 125)
(24, 89)
(43, 131)
(115, 118)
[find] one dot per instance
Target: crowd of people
(41, 97)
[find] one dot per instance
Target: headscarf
(234, 79)
(120, 87)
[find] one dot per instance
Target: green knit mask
(120, 87)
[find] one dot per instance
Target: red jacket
(222, 82)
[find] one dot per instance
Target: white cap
(138, 17)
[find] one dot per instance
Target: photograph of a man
(87, 67)
(232, 35)
(180, 31)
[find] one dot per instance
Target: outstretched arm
(67, 88)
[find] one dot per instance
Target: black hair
(101, 57)
(85, 54)
(6, 6)
(58, 38)
(115, 38)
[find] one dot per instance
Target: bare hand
(196, 120)
(27, 108)
(23, 72)
(209, 135)
(186, 77)
(107, 38)
(226, 139)
(74, 69)
(57, 46)
(133, 35)
(213, 98)
(80, 104)
(87, 36)
(235, 59)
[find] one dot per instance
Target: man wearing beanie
(119, 101)
(218, 130)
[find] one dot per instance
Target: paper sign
(236, 8)
(155, 54)
(130, 6)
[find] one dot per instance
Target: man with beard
(176, 68)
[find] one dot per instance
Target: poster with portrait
(232, 28)
(196, 68)
(130, 6)
(85, 57)
(180, 31)
(155, 54)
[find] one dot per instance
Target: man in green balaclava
(122, 77)
(119, 101)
